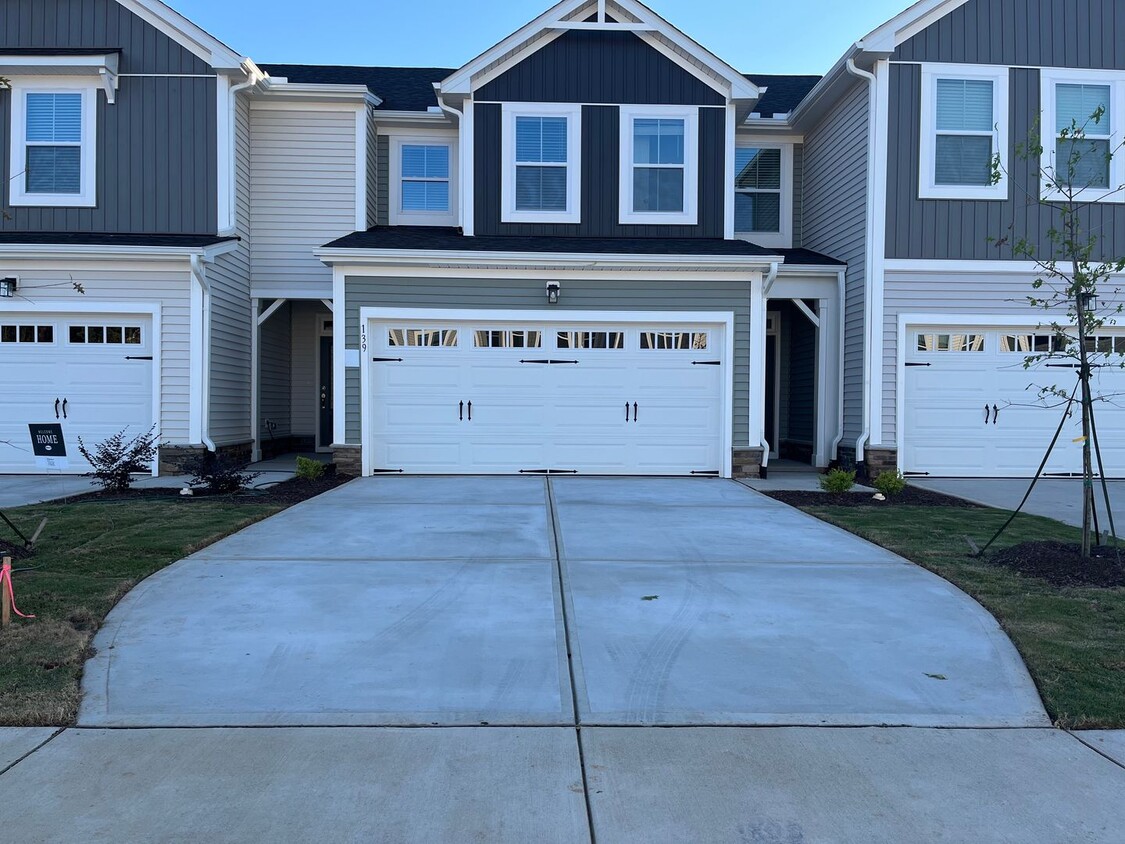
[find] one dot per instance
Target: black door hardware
(387, 471)
(56, 408)
(634, 411)
(713, 472)
(626, 411)
(706, 363)
(470, 409)
(548, 471)
(138, 357)
(385, 360)
(912, 363)
(995, 413)
(548, 361)
(986, 413)
(64, 408)
(461, 411)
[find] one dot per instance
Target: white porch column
(255, 375)
(757, 415)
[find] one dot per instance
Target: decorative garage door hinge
(548, 361)
(714, 472)
(387, 471)
(385, 360)
(914, 363)
(138, 357)
(548, 471)
(914, 474)
(706, 363)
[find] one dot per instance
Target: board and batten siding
(374, 193)
(971, 229)
(229, 277)
(798, 193)
(383, 178)
(978, 295)
(613, 293)
(1036, 33)
(601, 165)
(167, 286)
(834, 220)
(303, 192)
(582, 66)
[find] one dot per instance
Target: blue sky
(767, 36)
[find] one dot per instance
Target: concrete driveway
(513, 660)
(455, 601)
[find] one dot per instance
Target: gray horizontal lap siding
(608, 294)
(156, 146)
(600, 167)
(961, 229)
(598, 67)
(1039, 33)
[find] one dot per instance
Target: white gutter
(228, 104)
(767, 286)
(576, 260)
(868, 298)
(199, 276)
(117, 252)
(841, 302)
(771, 277)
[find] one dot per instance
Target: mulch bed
(909, 496)
(12, 549)
(286, 492)
(1061, 564)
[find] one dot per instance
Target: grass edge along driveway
(1072, 639)
(90, 554)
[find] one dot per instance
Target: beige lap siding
(168, 286)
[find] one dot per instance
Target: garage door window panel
(111, 335)
(500, 339)
(674, 340)
(27, 334)
(422, 337)
(591, 339)
(1027, 343)
(949, 342)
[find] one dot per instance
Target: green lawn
(1072, 639)
(90, 554)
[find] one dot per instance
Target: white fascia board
(908, 23)
(190, 36)
(82, 252)
(283, 90)
(361, 257)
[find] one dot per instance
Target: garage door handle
(461, 411)
(64, 408)
(470, 408)
(986, 410)
(626, 411)
(634, 411)
(56, 408)
(995, 414)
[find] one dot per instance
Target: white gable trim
(184, 32)
(905, 25)
(555, 21)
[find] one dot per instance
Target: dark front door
(325, 419)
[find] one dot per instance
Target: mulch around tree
(911, 496)
(1061, 563)
(15, 549)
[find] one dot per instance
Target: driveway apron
(441, 601)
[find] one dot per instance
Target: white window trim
(1048, 79)
(927, 185)
(17, 182)
(395, 215)
(690, 215)
(573, 114)
(783, 238)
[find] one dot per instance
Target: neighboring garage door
(92, 373)
(601, 398)
(973, 409)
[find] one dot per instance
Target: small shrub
(213, 473)
(838, 480)
(309, 469)
(115, 459)
(890, 483)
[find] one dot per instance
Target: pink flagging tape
(6, 582)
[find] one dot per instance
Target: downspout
(868, 301)
(448, 109)
(767, 286)
(253, 77)
(199, 276)
(841, 300)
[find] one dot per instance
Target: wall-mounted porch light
(7, 288)
(553, 289)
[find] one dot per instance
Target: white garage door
(973, 409)
(91, 373)
(491, 398)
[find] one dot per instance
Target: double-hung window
(53, 144)
(659, 165)
(541, 163)
(423, 183)
(964, 132)
(1082, 132)
(763, 202)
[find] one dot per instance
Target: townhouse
(596, 247)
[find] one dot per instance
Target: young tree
(1074, 284)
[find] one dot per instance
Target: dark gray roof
(451, 239)
(785, 92)
(188, 241)
(400, 88)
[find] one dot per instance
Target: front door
(324, 418)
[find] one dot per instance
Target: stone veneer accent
(746, 462)
(169, 457)
(348, 459)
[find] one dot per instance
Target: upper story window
(1088, 103)
(763, 193)
(659, 165)
(964, 131)
(53, 143)
(423, 181)
(541, 163)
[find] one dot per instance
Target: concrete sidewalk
(1055, 498)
